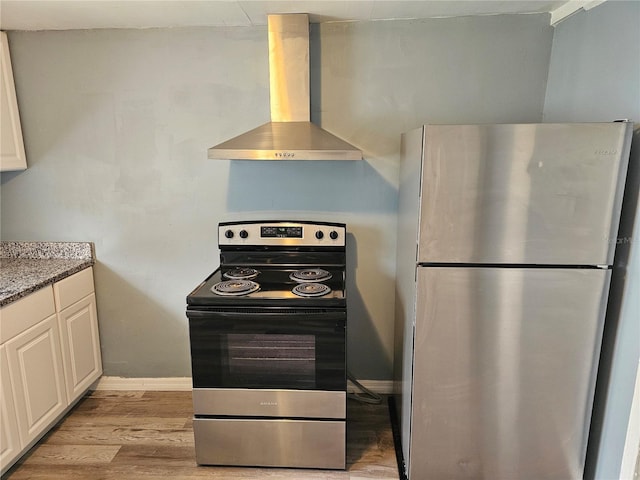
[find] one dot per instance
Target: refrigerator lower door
(504, 372)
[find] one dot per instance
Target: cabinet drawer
(73, 288)
(23, 314)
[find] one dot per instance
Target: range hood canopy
(289, 135)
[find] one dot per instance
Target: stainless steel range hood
(289, 135)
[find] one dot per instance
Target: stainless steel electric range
(268, 334)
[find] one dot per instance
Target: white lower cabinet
(10, 444)
(80, 345)
(35, 365)
(49, 357)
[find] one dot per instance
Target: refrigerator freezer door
(524, 194)
(504, 372)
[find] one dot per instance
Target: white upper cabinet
(12, 155)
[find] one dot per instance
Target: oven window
(280, 348)
(282, 359)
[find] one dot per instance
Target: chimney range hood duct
(289, 135)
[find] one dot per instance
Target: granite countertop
(28, 266)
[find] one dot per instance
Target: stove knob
(319, 234)
(228, 234)
(333, 235)
(244, 234)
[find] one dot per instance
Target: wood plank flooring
(148, 436)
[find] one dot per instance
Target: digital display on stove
(281, 232)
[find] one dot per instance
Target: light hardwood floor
(148, 435)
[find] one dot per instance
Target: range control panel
(304, 234)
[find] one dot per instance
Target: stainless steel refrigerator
(506, 237)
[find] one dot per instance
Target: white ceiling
(89, 14)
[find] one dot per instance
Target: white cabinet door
(35, 364)
(10, 445)
(12, 155)
(80, 346)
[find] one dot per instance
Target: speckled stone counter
(28, 266)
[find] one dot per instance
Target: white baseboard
(384, 387)
(123, 383)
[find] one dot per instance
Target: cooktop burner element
(308, 289)
(242, 273)
(310, 275)
(235, 287)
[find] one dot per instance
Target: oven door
(268, 348)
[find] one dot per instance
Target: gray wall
(594, 75)
(117, 123)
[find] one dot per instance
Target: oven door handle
(286, 313)
(321, 323)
